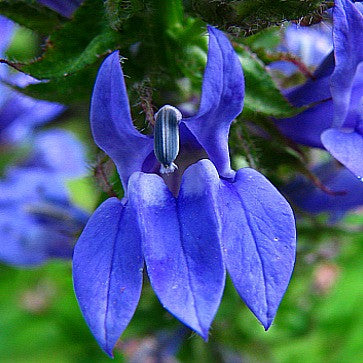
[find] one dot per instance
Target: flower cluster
(37, 218)
(334, 118)
(38, 221)
(189, 226)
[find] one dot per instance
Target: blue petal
(20, 114)
(37, 221)
(107, 271)
(181, 243)
(7, 31)
(111, 122)
(338, 179)
(315, 89)
(345, 147)
(29, 184)
(20, 244)
(258, 241)
(306, 127)
(310, 43)
(221, 101)
(63, 7)
(348, 49)
(59, 151)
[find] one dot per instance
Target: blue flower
(63, 7)
(19, 114)
(37, 218)
(347, 191)
(310, 44)
(189, 226)
(335, 121)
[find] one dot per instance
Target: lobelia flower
(19, 114)
(189, 225)
(306, 196)
(37, 218)
(63, 7)
(336, 121)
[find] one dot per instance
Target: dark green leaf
(74, 88)
(120, 10)
(79, 43)
(30, 14)
(250, 16)
(262, 95)
(267, 39)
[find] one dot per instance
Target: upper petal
(107, 271)
(111, 122)
(348, 49)
(181, 243)
(221, 101)
(258, 241)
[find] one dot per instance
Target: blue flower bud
(166, 137)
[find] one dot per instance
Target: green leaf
(70, 89)
(79, 43)
(31, 14)
(267, 39)
(262, 95)
(250, 16)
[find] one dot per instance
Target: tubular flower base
(336, 121)
(189, 226)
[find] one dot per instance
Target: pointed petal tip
(108, 351)
(267, 324)
(346, 147)
(213, 30)
(203, 332)
(210, 28)
(205, 336)
(262, 318)
(109, 59)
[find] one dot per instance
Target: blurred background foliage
(320, 317)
